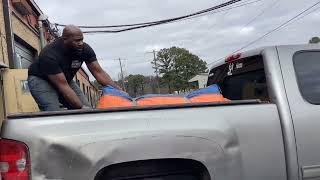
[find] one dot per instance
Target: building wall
(3, 43)
(87, 88)
(25, 32)
(4, 59)
(203, 81)
(2, 105)
(18, 98)
(199, 80)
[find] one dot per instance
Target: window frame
(298, 80)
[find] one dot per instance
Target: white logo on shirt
(76, 64)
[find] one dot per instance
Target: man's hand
(117, 87)
(101, 76)
(59, 81)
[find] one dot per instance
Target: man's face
(75, 42)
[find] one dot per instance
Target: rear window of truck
(307, 67)
(243, 79)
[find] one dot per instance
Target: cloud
(156, 47)
(246, 30)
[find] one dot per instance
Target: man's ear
(64, 38)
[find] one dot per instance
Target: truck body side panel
(277, 93)
(241, 142)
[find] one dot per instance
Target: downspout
(9, 32)
(4, 108)
(41, 19)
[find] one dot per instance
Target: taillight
(233, 57)
(14, 160)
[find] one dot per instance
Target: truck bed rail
(125, 109)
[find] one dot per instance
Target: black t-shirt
(55, 59)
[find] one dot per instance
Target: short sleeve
(89, 54)
(49, 65)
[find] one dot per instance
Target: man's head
(73, 38)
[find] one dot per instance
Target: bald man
(50, 78)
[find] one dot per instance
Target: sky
(210, 37)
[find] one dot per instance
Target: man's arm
(101, 76)
(59, 81)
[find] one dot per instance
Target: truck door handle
(310, 171)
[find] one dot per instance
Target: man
(50, 78)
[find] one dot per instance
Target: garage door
(24, 57)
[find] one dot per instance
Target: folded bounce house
(112, 98)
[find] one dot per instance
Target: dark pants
(48, 98)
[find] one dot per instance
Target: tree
(135, 84)
(177, 66)
(314, 40)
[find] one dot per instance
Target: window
(84, 88)
(77, 81)
(307, 67)
(88, 94)
(251, 85)
(243, 79)
(24, 86)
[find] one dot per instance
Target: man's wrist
(113, 84)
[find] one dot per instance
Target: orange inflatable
(154, 100)
(210, 94)
(208, 98)
(113, 98)
(110, 101)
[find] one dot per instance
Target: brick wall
(86, 87)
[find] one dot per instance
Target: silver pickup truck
(269, 130)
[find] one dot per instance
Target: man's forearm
(101, 76)
(71, 97)
(64, 88)
(104, 79)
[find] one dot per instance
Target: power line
(244, 3)
(261, 13)
(301, 17)
(277, 28)
(273, 30)
(165, 20)
(155, 23)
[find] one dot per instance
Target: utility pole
(122, 78)
(157, 74)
